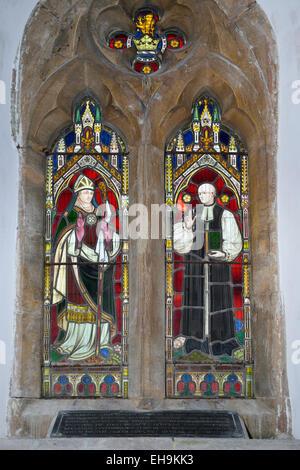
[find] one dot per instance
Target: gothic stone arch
(230, 53)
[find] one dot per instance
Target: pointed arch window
(86, 260)
(208, 339)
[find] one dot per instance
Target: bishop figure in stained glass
(81, 287)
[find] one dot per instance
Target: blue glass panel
(70, 139)
(55, 163)
(174, 160)
(224, 138)
(188, 138)
(105, 138)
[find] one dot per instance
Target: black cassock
(221, 338)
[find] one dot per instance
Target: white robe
(231, 236)
(80, 341)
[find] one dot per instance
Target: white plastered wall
(14, 15)
(285, 20)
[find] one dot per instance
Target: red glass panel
(118, 288)
(139, 66)
(178, 265)
(228, 192)
(112, 199)
(219, 185)
(72, 181)
(90, 235)
(238, 221)
(239, 315)
(237, 273)
(232, 206)
(74, 295)
(176, 322)
(215, 387)
(180, 386)
(64, 201)
(57, 389)
(117, 339)
(174, 41)
(178, 279)
(177, 300)
(118, 269)
(192, 190)
(119, 313)
(118, 42)
(91, 174)
(238, 297)
(80, 388)
(238, 387)
(98, 197)
(204, 176)
(54, 327)
(92, 389)
(178, 257)
(56, 222)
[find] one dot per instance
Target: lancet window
(86, 260)
(208, 337)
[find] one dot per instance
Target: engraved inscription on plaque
(215, 424)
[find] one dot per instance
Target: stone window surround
(251, 111)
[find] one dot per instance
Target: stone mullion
(146, 337)
(144, 197)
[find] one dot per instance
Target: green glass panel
(214, 240)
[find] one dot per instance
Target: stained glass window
(86, 260)
(208, 341)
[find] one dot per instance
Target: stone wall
(230, 53)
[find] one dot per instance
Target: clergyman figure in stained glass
(208, 258)
(81, 286)
(207, 323)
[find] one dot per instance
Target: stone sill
(141, 443)
(32, 418)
